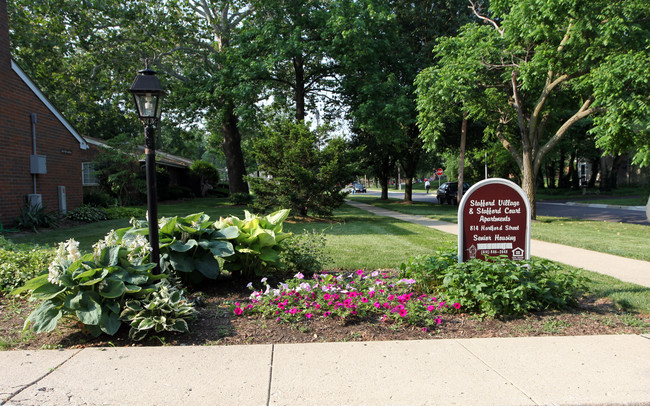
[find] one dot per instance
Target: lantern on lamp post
(148, 94)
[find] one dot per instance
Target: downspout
(33, 116)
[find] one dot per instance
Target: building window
(88, 177)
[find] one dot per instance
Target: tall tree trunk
(384, 175)
(461, 159)
(529, 181)
(408, 190)
(299, 70)
(412, 160)
(231, 147)
(594, 172)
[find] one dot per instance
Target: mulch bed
(217, 326)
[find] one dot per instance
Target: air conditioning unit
(35, 201)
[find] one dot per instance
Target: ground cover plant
(355, 240)
(498, 286)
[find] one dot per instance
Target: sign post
(494, 219)
(439, 172)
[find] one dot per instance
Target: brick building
(41, 155)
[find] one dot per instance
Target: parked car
(448, 192)
(358, 187)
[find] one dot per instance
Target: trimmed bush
(87, 214)
(115, 213)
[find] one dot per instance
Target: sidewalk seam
(497, 372)
(268, 393)
(29, 385)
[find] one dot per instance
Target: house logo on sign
(517, 254)
(472, 251)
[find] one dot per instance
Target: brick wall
(53, 140)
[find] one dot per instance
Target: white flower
(305, 286)
(264, 280)
(72, 247)
(54, 273)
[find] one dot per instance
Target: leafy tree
(208, 174)
(215, 66)
(307, 170)
(84, 55)
(382, 45)
(536, 68)
(294, 39)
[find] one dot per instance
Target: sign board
(494, 219)
(439, 172)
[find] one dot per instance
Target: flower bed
(358, 295)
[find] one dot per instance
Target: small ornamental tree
(208, 173)
(307, 170)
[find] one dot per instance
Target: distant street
(616, 215)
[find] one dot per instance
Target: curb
(602, 206)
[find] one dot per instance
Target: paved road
(612, 214)
(570, 210)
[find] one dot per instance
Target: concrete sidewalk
(585, 370)
(625, 269)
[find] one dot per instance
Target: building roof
(25, 78)
(161, 157)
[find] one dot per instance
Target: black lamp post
(148, 95)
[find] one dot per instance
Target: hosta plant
(257, 247)
(190, 246)
(165, 309)
(91, 288)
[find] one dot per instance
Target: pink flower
(360, 272)
(377, 305)
(293, 311)
(308, 315)
(364, 299)
(431, 308)
(425, 329)
(238, 311)
(326, 314)
(438, 320)
(457, 306)
(402, 312)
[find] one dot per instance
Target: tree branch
(511, 148)
(519, 108)
(486, 19)
(583, 112)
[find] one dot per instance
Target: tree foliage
(532, 69)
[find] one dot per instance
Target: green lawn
(622, 196)
(361, 240)
(627, 240)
